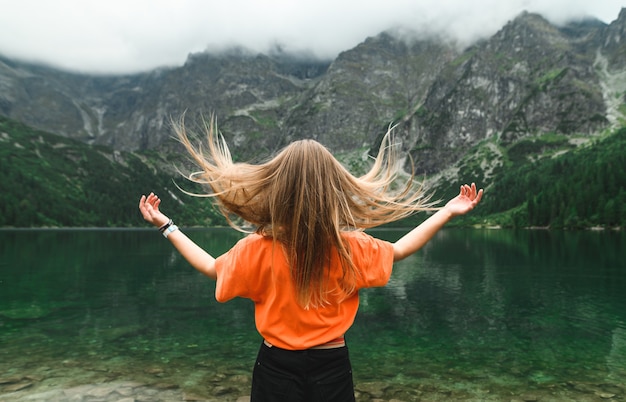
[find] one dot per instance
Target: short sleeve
(373, 257)
(236, 271)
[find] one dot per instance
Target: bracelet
(169, 230)
(167, 225)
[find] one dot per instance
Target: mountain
(529, 78)
(531, 92)
(366, 88)
(613, 43)
(133, 112)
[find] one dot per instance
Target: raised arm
(194, 254)
(467, 199)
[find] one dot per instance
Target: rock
(529, 397)
(154, 370)
(73, 393)
(192, 397)
(125, 391)
(222, 390)
(10, 380)
(239, 379)
(17, 387)
(164, 385)
(102, 390)
(374, 389)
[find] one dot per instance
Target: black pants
(312, 375)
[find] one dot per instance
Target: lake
(104, 315)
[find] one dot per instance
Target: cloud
(132, 35)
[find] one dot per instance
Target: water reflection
(617, 356)
(530, 308)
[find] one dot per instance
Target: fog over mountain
(121, 36)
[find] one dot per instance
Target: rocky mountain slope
(529, 79)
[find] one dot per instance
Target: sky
(126, 36)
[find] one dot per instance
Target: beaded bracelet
(167, 225)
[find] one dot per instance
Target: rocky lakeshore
(51, 387)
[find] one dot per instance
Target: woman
(308, 256)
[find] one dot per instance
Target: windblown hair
(304, 198)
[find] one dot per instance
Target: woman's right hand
(149, 207)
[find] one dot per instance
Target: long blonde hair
(304, 198)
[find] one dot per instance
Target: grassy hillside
(52, 181)
(581, 188)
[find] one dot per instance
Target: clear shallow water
(475, 315)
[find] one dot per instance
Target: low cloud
(127, 36)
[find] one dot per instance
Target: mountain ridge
(528, 79)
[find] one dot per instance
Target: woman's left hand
(467, 199)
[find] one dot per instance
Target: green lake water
(475, 315)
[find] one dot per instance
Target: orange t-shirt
(256, 269)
